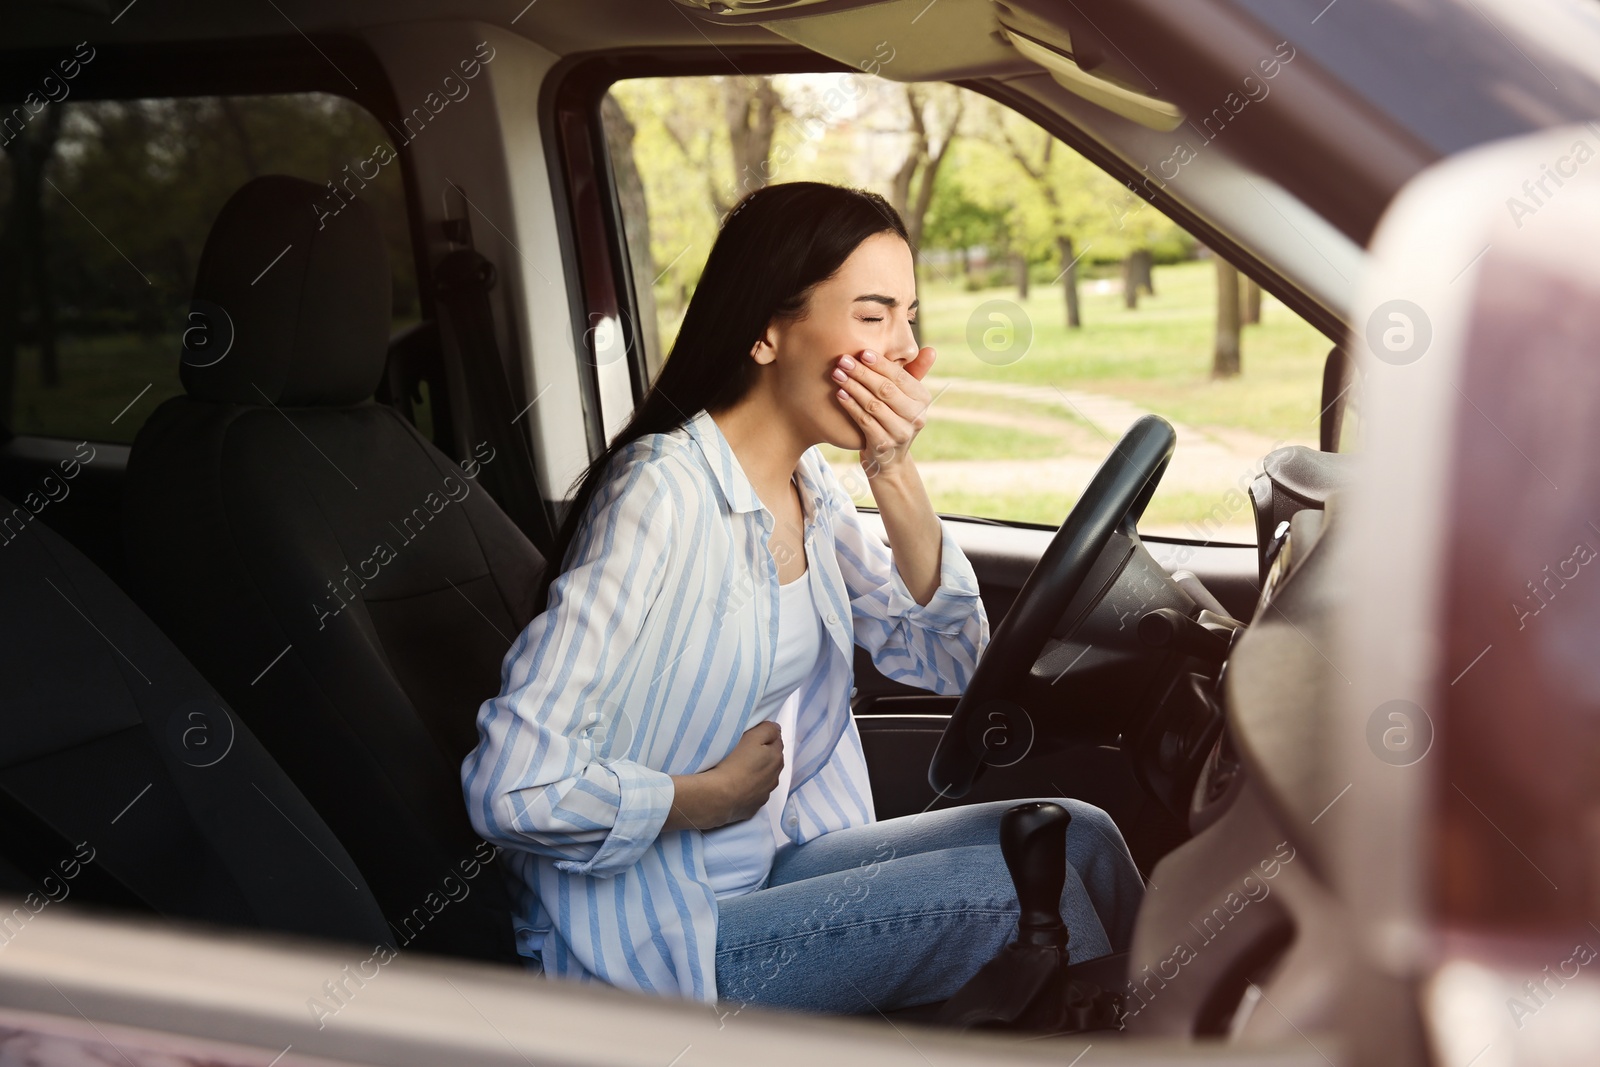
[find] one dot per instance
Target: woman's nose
(904, 348)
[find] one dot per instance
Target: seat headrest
(292, 300)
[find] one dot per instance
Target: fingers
(889, 415)
(881, 382)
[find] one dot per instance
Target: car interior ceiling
(188, 560)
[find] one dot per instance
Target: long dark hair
(776, 245)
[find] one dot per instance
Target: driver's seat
(347, 587)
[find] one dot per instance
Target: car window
(104, 209)
(1061, 305)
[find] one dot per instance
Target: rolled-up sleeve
(933, 646)
(551, 772)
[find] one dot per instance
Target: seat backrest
(347, 586)
(125, 780)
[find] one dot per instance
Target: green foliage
(956, 220)
(1045, 190)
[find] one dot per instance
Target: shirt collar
(736, 488)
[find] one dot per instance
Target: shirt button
(833, 617)
(791, 822)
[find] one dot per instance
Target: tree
(1064, 184)
(751, 108)
(636, 222)
(1252, 302)
(29, 154)
(1225, 359)
(958, 223)
(700, 146)
(935, 116)
(1137, 274)
(1058, 205)
(1139, 229)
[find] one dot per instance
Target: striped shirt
(649, 660)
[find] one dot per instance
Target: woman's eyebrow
(886, 301)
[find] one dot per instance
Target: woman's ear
(765, 350)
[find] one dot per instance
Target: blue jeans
(903, 911)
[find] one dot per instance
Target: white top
(739, 855)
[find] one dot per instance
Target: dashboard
(1259, 784)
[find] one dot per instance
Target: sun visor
(915, 40)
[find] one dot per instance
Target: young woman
(671, 763)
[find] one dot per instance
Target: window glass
(104, 209)
(1061, 305)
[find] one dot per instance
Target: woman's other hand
(733, 790)
(888, 402)
(750, 771)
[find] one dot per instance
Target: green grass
(948, 439)
(100, 377)
(1158, 356)
(955, 398)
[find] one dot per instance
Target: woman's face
(869, 303)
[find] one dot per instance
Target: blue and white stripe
(649, 660)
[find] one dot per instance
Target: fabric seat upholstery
(126, 781)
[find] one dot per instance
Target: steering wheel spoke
(1073, 617)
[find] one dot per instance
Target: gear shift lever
(1033, 840)
(1027, 984)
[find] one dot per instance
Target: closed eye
(886, 301)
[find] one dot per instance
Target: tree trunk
(44, 305)
(752, 108)
(1069, 279)
(636, 222)
(921, 165)
(1136, 275)
(1022, 275)
(22, 242)
(1225, 359)
(1252, 302)
(1143, 270)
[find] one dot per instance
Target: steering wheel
(1114, 499)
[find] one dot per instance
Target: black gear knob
(1033, 840)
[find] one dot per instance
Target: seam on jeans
(867, 922)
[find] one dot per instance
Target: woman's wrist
(699, 802)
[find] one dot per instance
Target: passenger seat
(126, 782)
(350, 589)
